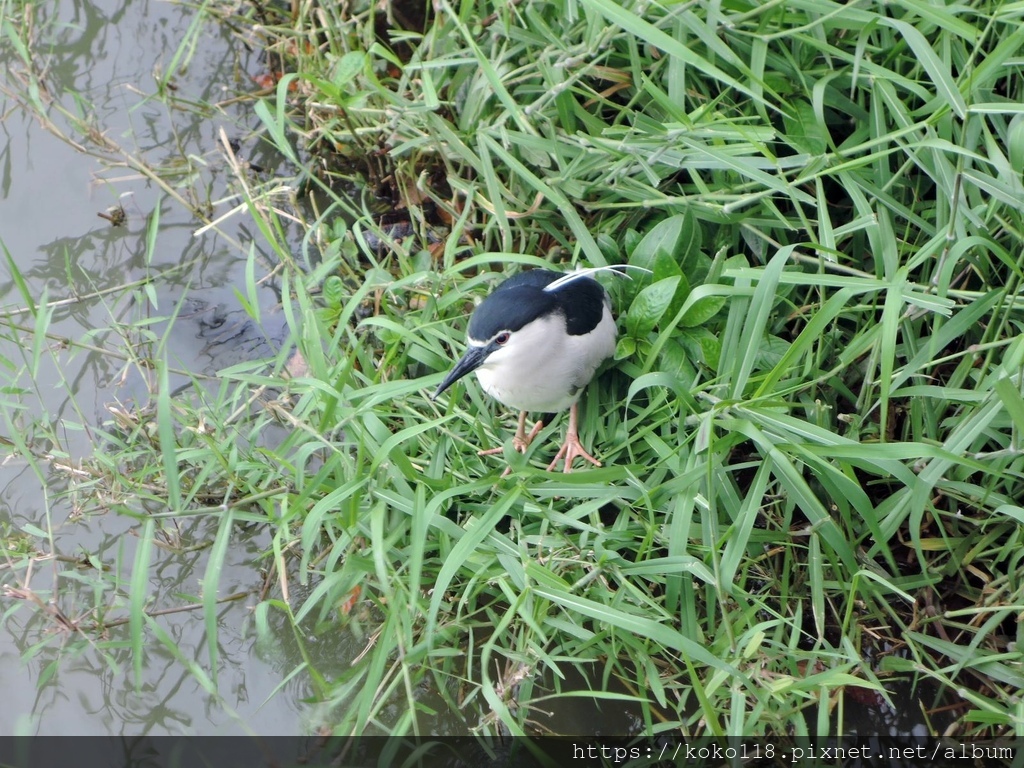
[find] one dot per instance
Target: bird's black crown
(523, 298)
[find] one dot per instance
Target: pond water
(103, 59)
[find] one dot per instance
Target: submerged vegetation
(811, 437)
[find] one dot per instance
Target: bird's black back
(522, 298)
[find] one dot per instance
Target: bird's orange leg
(520, 440)
(572, 446)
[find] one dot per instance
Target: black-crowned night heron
(535, 343)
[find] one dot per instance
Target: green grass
(811, 436)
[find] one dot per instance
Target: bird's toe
(569, 452)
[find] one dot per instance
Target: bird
(535, 343)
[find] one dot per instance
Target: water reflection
(102, 61)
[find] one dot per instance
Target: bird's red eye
(502, 338)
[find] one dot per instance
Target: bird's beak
(470, 361)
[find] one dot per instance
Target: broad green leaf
(347, 67)
(625, 347)
(675, 360)
(664, 267)
(702, 311)
(702, 345)
(692, 240)
(334, 291)
(649, 306)
(675, 237)
(630, 241)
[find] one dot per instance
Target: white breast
(543, 369)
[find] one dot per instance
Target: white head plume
(617, 269)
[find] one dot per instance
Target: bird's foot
(572, 446)
(492, 451)
(520, 441)
(569, 451)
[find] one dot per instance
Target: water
(102, 60)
